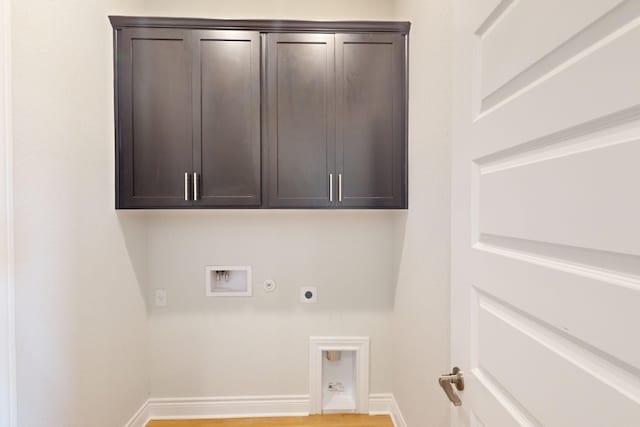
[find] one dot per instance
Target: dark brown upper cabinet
(370, 121)
(335, 124)
(227, 120)
(154, 117)
(188, 115)
(260, 113)
(300, 120)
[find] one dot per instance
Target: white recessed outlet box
(228, 281)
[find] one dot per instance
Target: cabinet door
(370, 120)
(154, 121)
(227, 118)
(300, 120)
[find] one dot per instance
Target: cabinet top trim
(265, 25)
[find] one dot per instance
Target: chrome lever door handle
(446, 382)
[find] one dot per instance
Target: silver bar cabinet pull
(340, 187)
(196, 192)
(186, 186)
(331, 187)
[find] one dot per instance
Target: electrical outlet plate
(228, 281)
(309, 294)
(161, 297)
(269, 285)
(339, 387)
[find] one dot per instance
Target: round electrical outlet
(309, 294)
(269, 285)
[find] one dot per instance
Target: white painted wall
(273, 9)
(7, 384)
(259, 346)
(84, 271)
(81, 317)
(421, 311)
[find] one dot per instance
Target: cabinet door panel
(370, 136)
(227, 120)
(154, 117)
(300, 119)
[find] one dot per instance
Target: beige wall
(81, 267)
(421, 311)
(5, 206)
(81, 318)
(87, 344)
(259, 346)
(276, 9)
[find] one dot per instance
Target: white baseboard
(396, 415)
(228, 407)
(141, 418)
(380, 404)
(385, 404)
(247, 407)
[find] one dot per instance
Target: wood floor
(312, 421)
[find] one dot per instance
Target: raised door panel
(227, 119)
(155, 144)
(300, 120)
(370, 125)
(545, 236)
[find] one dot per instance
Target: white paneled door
(546, 203)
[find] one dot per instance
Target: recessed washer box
(228, 281)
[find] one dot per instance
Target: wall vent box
(228, 281)
(338, 375)
(338, 382)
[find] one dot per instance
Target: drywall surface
(86, 347)
(6, 284)
(421, 311)
(239, 346)
(80, 310)
(273, 9)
